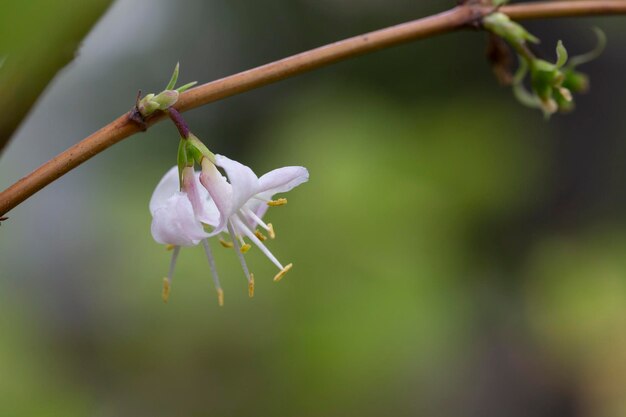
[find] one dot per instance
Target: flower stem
(180, 123)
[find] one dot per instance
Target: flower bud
(575, 81)
(166, 99)
(503, 26)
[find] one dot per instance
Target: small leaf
(174, 79)
(561, 54)
(186, 86)
(525, 97)
(593, 54)
(521, 71)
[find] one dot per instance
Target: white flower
(243, 199)
(235, 207)
(178, 217)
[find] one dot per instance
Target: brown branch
(451, 20)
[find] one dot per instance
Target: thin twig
(448, 21)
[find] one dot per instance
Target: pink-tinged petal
(175, 223)
(282, 180)
(168, 185)
(243, 180)
(220, 191)
(203, 207)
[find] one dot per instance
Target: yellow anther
(251, 285)
(276, 203)
(260, 235)
(282, 273)
(220, 297)
(165, 294)
(226, 244)
(245, 248)
(169, 247)
(270, 230)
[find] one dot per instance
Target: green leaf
(561, 54)
(593, 54)
(174, 79)
(186, 86)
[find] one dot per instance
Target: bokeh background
(455, 254)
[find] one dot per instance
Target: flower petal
(282, 180)
(203, 206)
(175, 223)
(168, 185)
(243, 180)
(221, 193)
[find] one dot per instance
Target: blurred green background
(455, 254)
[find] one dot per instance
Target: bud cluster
(551, 84)
(163, 100)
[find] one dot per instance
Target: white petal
(175, 223)
(282, 180)
(221, 193)
(243, 180)
(203, 206)
(168, 185)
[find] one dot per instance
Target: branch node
(135, 116)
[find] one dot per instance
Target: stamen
(242, 260)
(167, 282)
(260, 235)
(278, 202)
(216, 279)
(282, 273)
(245, 247)
(169, 247)
(226, 244)
(165, 293)
(257, 219)
(241, 226)
(270, 230)
(251, 286)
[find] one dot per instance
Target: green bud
(549, 106)
(563, 98)
(575, 81)
(503, 26)
(166, 99)
(561, 55)
(147, 107)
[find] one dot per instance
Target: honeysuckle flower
(243, 199)
(207, 204)
(179, 215)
